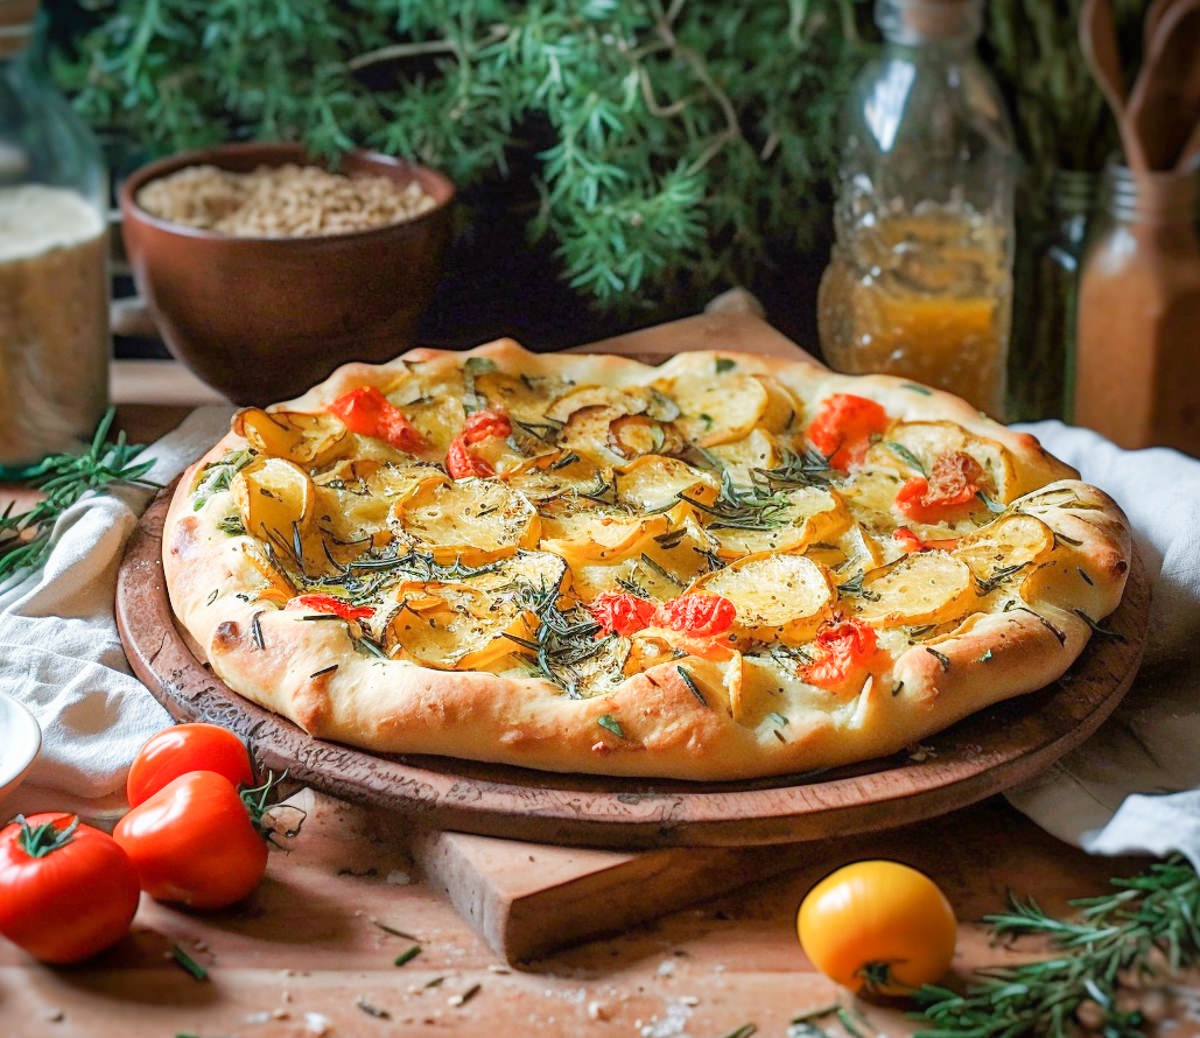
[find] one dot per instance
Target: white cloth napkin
(1135, 786)
(60, 654)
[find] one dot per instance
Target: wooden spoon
(1098, 39)
(1164, 106)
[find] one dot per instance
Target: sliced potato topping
(1013, 543)
(810, 514)
(634, 435)
(438, 419)
(306, 439)
(354, 499)
(475, 520)
(621, 401)
(599, 537)
(742, 457)
(776, 596)
(457, 634)
(275, 499)
(521, 398)
(784, 413)
(587, 433)
(553, 475)
(931, 587)
(716, 410)
(654, 483)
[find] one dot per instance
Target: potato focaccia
(724, 567)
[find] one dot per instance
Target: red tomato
(949, 493)
(624, 614)
(184, 748)
(700, 613)
(845, 647)
(331, 605)
(193, 843)
(482, 425)
(368, 412)
(843, 428)
(461, 463)
(67, 890)
(910, 542)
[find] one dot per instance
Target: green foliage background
(673, 146)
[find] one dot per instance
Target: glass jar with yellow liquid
(920, 280)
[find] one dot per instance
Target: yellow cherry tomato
(879, 927)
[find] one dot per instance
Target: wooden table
(306, 953)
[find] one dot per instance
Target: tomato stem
(878, 975)
(46, 838)
(260, 799)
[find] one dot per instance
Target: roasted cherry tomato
(331, 605)
(949, 493)
(193, 842)
(700, 613)
(184, 748)
(461, 463)
(879, 927)
(67, 890)
(480, 425)
(843, 428)
(910, 542)
(368, 412)
(845, 648)
(621, 613)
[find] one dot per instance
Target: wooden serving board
(982, 755)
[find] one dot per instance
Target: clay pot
(263, 319)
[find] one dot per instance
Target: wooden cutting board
(528, 898)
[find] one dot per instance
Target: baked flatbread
(724, 567)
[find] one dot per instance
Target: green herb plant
(667, 145)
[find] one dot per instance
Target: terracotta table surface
(304, 953)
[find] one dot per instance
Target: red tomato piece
(845, 647)
(184, 748)
(699, 613)
(621, 613)
(482, 425)
(910, 542)
(331, 605)
(368, 412)
(843, 428)
(67, 891)
(462, 464)
(193, 842)
(948, 493)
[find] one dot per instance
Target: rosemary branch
(64, 479)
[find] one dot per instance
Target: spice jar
(1137, 377)
(54, 340)
(920, 280)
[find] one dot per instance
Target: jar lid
(16, 25)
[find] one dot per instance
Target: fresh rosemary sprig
(854, 586)
(64, 479)
(563, 640)
(986, 585)
(1147, 929)
(741, 508)
(810, 469)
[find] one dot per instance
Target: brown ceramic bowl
(263, 319)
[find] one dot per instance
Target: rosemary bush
(671, 145)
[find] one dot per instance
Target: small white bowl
(20, 740)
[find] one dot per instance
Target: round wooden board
(981, 755)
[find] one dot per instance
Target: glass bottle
(54, 338)
(920, 279)
(1137, 379)
(1048, 262)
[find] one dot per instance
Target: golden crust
(313, 674)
